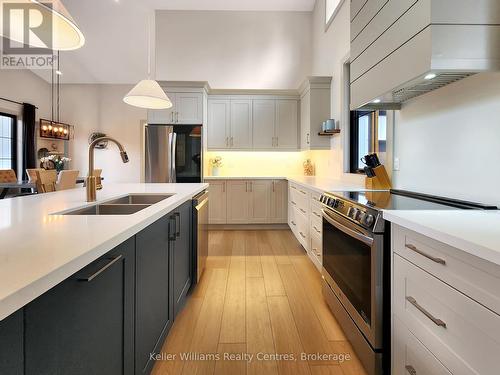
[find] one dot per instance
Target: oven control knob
(368, 220)
(332, 203)
(353, 213)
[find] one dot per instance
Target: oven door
(352, 266)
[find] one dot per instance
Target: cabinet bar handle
(104, 268)
(293, 203)
(436, 321)
(303, 211)
(307, 141)
(303, 192)
(277, 144)
(293, 223)
(302, 234)
(176, 117)
(223, 187)
(411, 370)
(172, 116)
(316, 252)
(316, 214)
(316, 229)
(418, 251)
(177, 224)
(232, 143)
(273, 186)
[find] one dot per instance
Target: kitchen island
(101, 288)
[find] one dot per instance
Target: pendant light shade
(66, 36)
(148, 94)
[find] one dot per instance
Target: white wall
(448, 141)
(101, 108)
(330, 48)
(234, 50)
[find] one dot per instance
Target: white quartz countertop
(475, 232)
(39, 249)
(319, 184)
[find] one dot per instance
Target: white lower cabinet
(411, 357)
(238, 202)
(248, 201)
(447, 306)
(305, 221)
(217, 198)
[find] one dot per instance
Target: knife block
(381, 181)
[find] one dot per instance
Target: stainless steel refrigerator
(174, 153)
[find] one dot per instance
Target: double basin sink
(126, 205)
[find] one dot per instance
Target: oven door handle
(351, 232)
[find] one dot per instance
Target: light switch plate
(396, 164)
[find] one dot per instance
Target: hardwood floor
(257, 309)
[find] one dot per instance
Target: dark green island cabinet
(110, 316)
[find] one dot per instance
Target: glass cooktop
(404, 200)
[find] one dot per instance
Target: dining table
(6, 186)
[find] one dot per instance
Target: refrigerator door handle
(173, 175)
(149, 164)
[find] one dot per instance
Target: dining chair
(67, 180)
(7, 175)
(31, 172)
(46, 181)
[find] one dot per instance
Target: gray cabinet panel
(153, 300)
(12, 344)
(182, 255)
(84, 325)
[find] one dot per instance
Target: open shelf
(330, 133)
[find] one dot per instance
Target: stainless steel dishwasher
(200, 233)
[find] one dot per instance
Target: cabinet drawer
(316, 226)
(315, 197)
(302, 229)
(474, 277)
(299, 200)
(316, 211)
(411, 357)
(292, 220)
(317, 246)
(461, 333)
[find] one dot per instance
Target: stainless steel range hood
(404, 48)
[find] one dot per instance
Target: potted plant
(57, 161)
(216, 164)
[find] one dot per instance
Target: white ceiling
(116, 33)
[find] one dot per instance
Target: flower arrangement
(58, 161)
(215, 163)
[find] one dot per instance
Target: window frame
(13, 136)
(329, 21)
(354, 165)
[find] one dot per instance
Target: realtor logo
(27, 31)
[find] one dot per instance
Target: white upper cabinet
(264, 118)
(256, 123)
(219, 119)
(162, 116)
(241, 124)
(286, 124)
(314, 109)
(187, 108)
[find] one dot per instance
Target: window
(331, 9)
(8, 141)
(368, 134)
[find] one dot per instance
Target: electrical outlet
(396, 164)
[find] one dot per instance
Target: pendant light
(66, 36)
(148, 93)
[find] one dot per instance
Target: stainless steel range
(356, 264)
